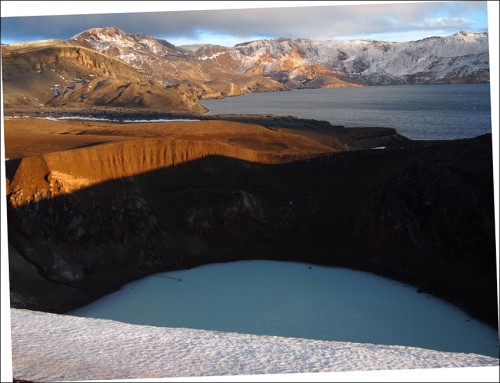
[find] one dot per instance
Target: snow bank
(116, 120)
(50, 347)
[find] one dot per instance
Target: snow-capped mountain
(263, 65)
(169, 66)
(136, 50)
(462, 57)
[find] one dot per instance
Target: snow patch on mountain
(459, 55)
(212, 57)
(133, 49)
(462, 57)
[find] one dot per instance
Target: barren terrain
(55, 74)
(95, 204)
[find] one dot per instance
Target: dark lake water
(298, 300)
(425, 112)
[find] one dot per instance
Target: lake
(420, 112)
(293, 299)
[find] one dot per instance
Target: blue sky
(199, 22)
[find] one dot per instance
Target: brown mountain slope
(289, 66)
(62, 75)
(170, 67)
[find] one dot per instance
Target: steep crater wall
(422, 215)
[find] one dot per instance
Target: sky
(192, 23)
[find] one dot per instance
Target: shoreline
(128, 115)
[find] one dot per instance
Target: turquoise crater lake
(299, 300)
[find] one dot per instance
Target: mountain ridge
(178, 77)
(370, 60)
(461, 57)
(168, 65)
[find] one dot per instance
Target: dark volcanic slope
(423, 215)
(56, 74)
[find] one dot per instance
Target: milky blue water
(296, 300)
(425, 112)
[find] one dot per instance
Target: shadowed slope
(64, 156)
(48, 175)
(422, 215)
(105, 151)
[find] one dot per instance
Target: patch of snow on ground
(51, 347)
(116, 120)
(214, 56)
(129, 57)
(161, 120)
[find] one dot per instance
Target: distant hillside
(217, 71)
(55, 73)
(462, 57)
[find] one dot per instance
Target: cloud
(315, 22)
(445, 22)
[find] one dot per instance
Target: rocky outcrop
(88, 59)
(50, 175)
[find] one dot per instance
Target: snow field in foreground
(51, 347)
